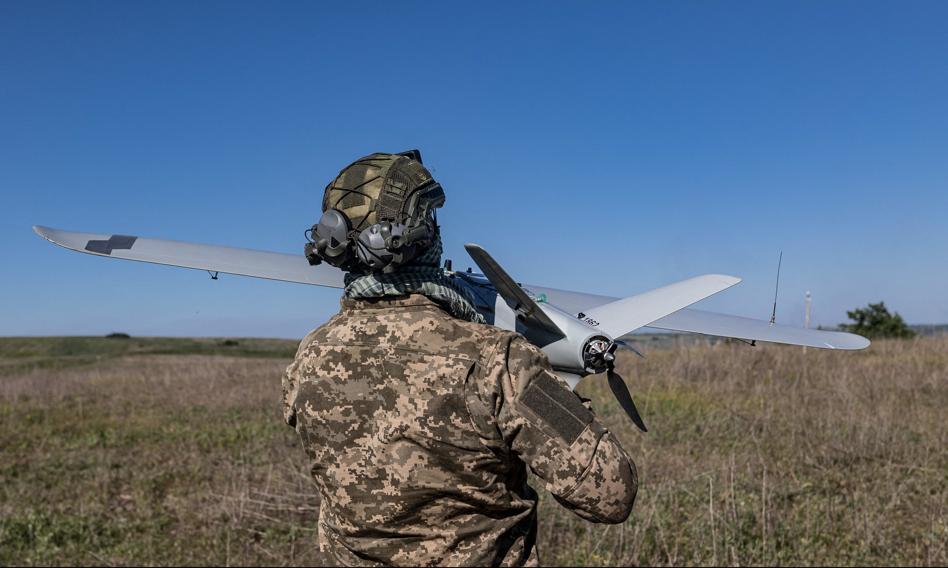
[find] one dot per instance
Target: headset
(384, 246)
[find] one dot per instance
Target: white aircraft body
(578, 332)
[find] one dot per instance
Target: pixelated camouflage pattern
(419, 439)
(376, 184)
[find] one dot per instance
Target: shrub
(875, 321)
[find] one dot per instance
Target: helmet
(378, 214)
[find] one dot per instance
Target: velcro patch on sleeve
(557, 406)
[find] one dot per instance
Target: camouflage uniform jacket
(419, 428)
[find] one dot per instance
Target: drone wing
(213, 258)
(515, 296)
(629, 314)
(295, 268)
(710, 323)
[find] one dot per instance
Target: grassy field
(172, 451)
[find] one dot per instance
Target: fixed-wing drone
(579, 332)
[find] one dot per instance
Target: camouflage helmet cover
(376, 188)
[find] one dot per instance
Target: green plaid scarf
(423, 275)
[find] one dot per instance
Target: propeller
(628, 346)
(622, 394)
(599, 355)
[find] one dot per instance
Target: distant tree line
(875, 321)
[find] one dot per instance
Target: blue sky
(610, 148)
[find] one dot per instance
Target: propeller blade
(626, 345)
(621, 391)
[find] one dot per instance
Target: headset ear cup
(371, 250)
(332, 240)
(382, 247)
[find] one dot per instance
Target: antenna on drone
(773, 314)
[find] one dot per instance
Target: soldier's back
(410, 470)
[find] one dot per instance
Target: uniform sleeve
(290, 389)
(291, 382)
(551, 429)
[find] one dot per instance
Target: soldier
(419, 420)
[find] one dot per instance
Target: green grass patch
(22, 354)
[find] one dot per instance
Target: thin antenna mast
(806, 315)
(773, 314)
(806, 319)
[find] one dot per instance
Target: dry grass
(757, 455)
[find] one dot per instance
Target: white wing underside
(628, 314)
(710, 323)
(295, 268)
(213, 258)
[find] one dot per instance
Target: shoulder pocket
(555, 405)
